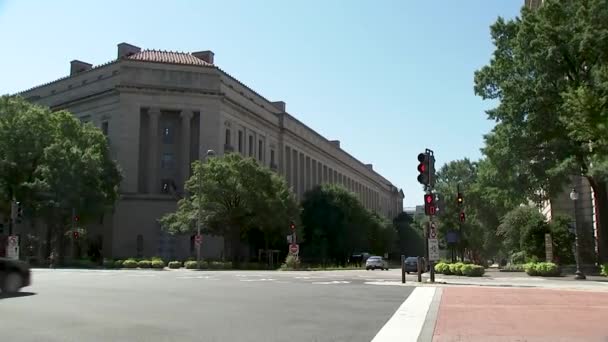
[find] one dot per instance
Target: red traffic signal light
(76, 218)
(429, 204)
(423, 177)
(462, 217)
(292, 226)
(75, 234)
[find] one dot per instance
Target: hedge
(144, 264)
(191, 265)
(158, 264)
(175, 264)
(459, 268)
(542, 269)
(472, 270)
(513, 268)
(129, 263)
(605, 269)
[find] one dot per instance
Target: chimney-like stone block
(280, 105)
(77, 66)
(125, 50)
(336, 143)
(206, 56)
(370, 166)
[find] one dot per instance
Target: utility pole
(461, 218)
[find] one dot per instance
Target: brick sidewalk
(511, 314)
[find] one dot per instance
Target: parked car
(14, 275)
(374, 262)
(411, 265)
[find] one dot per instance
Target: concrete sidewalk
(515, 314)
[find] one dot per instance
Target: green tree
(336, 225)
(549, 73)
(234, 194)
(410, 240)
(67, 165)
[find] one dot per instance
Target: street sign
(290, 239)
(294, 248)
(452, 237)
(12, 247)
(548, 248)
(433, 233)
(433, 249)
(198, 239)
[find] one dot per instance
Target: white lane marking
(407, 322)
(263, 279)
(141, 275)
(195, 277)
(391, 283)
(330, 282)
(303, 277)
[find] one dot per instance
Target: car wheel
(12, 283)
(386, 269)
(367, 268)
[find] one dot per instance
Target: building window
(241, 141)
(260, 150)
(168, 135)
(227, 142)
(271, 157)
(251, 145)
(104, 128)
(168, 161)
(140, 246)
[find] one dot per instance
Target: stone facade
(163, 110)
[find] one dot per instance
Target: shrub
(175, 264)
(543, 269)
(441, 267)
(144, 264)
(513, 268)
(118, 263)
(518, 257)
(291, 262)
(191, 265)
(605, 269)
(158, 264)
(157, 258)
(108, 263)
(456, 268)
(129, 263)
(472, 270)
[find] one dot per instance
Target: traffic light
(292, 226)
(439, 204)
(429, 204)
(75, 234)
(423, 168)
(459, 199)
(462, 217)
(431, 174)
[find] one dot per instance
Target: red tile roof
(171, 57)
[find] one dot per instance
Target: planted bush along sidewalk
(459, 268)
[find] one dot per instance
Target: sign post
(548, 248)
(294, 249)
(12, 248)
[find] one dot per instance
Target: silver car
(375, 262)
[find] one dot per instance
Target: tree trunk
(600, 197)
(235, 237)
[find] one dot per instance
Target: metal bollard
(419, 266)
(403, 269)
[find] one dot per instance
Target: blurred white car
(375, 262)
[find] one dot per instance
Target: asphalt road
(137, 305)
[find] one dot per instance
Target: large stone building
(160, 109)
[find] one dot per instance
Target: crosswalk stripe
(406, 323)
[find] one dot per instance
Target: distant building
(162, 110)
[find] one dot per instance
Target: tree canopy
(234, 194)
(336, 225)
(549, 73)
(52, 163)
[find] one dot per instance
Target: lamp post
(579, 273)
(210, 153)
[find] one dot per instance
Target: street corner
(520, 314)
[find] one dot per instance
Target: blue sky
(386, 78)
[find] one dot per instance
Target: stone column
(153, 150)
(186, 117)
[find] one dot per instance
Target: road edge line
(428, 329)
(407, 322)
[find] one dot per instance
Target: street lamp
(210, 153)
(579, 274)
